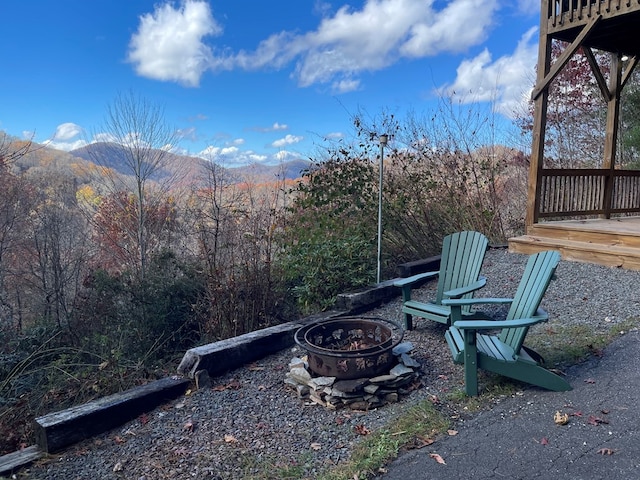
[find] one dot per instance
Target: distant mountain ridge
(195, 168)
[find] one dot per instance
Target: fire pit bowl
(350, 347)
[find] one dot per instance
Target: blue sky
(248, 81)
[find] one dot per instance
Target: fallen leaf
(593, 420)
(232, 385)
(423, 441)
(261, 388)
(437, 458)
(144, 419)
(316, 446)
(589, 380)
(361, 430)
(576, 414)
(230, 439)
(188, 426)
(606, 451)
(561, 418)
(544, 441)
(452, 432)
(119, 440)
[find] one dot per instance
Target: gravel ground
(249, 421)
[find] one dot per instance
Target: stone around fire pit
(359, 393)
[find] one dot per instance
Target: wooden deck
(613, 242)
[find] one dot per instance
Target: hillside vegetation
(115, 260)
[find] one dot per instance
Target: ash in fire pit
(353, 361)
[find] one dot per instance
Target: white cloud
(284, 155)
(231, 156)
(529, 7)
(506, 81)
(65, 146)
(67, 131)
(345, 85)
(287, 140)
(169, 43)
(66, 138)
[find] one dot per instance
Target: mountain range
(191, 170)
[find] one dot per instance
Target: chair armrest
(498, 324)
(459, 292)
(460, 302)
(414, 279)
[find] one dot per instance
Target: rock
(371, 388)
(296, 362)
(318, 383)
(383, 378)
(404, 347)
(350, 386)
(303, 391)
(391, 397)
(400, 370)
(202, 379)
(290, 381)
(300, 375)
(362, 405)
(408, 361)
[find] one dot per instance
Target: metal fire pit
(350, 347)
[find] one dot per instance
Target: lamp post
(382, 139)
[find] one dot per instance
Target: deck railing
(571, 192)
(561, 11)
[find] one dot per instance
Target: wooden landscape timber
(58, 430)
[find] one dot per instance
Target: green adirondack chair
(458, 277)
(504, 353)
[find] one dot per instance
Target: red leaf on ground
(144, 419)
(544, 441)
(361, 430)
(593, 420)
(437, 458)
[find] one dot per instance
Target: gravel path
(250, 419)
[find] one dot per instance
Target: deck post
(539, 121)
(611, 137)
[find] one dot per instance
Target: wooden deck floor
(612, 242)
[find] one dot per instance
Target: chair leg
(470, 363)
(408, 321)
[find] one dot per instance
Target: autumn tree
(56, 256)
(136, 173)
(576, 113)
(233, 222)
(15, 204)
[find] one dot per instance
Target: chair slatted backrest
(535, 280)
(461, 261)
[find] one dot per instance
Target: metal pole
(383, 141)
